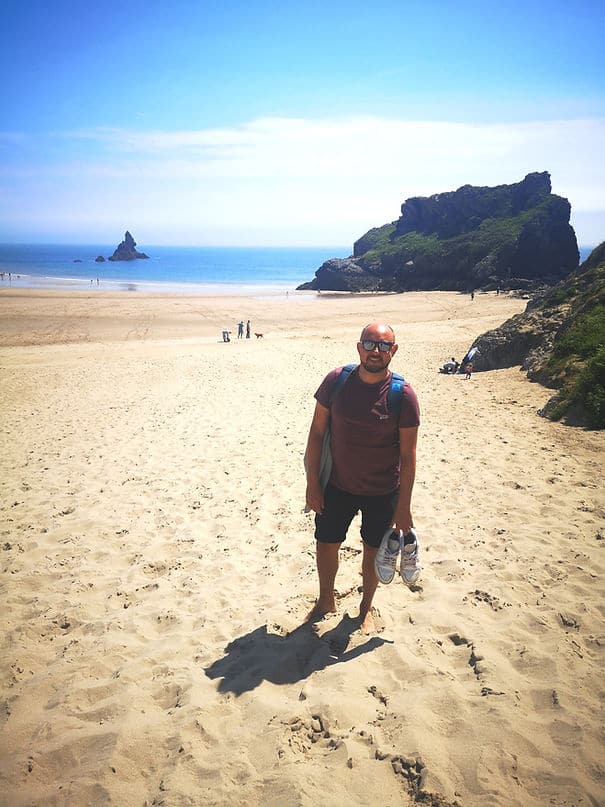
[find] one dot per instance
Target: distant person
(472, 295)
(450, 366)
(240, 329)
(373, 469)
(248, 329)
(468, 369)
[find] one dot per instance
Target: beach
(157, 565)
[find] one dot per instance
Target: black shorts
(340, 508)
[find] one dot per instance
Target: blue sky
(265, 123)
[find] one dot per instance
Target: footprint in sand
(494, 603)
(476, 661)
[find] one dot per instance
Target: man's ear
(394, 349)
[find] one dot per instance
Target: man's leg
(330, 530)
(370, 584)
(377, 516)
(327, 566)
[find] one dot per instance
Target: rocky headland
(508, 236)
(126, 250)
(559, 341)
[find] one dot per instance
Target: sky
(266, 123)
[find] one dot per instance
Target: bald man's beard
(373, 366)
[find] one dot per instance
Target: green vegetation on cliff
(382, 247)
(486, 250)
(510, 236)
(577, 362)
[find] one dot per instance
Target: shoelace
(408, 559)
(390, 556)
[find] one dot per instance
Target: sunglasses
(370, 344)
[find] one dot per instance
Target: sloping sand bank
(157, 566)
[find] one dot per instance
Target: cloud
(359, 146)
(294, 177)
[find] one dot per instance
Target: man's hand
(407, 451)
(404, 522)
(319, 424)
(315, 497)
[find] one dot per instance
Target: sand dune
(157, 566)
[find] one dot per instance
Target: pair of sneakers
(393, 543)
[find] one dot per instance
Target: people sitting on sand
(450, 366)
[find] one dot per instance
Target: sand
(157, 566)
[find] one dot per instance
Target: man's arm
(407, 452)
(319, 424)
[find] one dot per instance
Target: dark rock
(126, 251)
(456, 212)
(100, 259)
(344, 274)
(512, 236)
(559, 342)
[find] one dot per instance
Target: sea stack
(126, 250)
(508, 236)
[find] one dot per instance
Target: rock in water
(508, 236)
(126, 250)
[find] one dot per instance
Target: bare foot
(319, 610)
(367, 624)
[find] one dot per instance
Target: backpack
(394, 399)
(394, 395)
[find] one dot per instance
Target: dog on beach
(258, 335)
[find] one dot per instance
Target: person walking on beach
(240, 329)
(468, 369)
(373, 467)
(248, 329)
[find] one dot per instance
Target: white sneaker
(388, 552)
(410, 567)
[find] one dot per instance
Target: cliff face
(476, 237)
(126, 251)
(559, 340)
(462, 211)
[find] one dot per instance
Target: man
(374, 466)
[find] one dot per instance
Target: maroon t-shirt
(365, 436)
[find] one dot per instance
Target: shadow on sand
(262, 656)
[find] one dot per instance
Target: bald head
(377, 330)
(376, 348)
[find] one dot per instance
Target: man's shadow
(262, 656)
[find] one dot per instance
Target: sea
(204, 270)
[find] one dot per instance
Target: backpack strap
(394, 395)
(340, 381)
